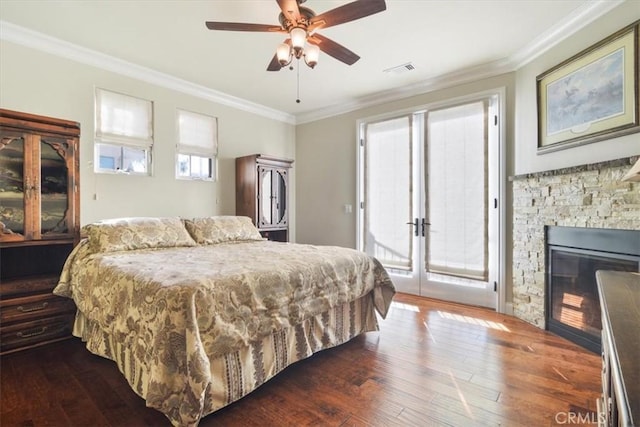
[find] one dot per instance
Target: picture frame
(591, 96)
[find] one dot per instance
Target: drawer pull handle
(36, 332)
(29, 309)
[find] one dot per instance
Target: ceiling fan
(301, 23)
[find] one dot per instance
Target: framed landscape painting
(591, 96)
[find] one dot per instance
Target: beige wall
(35, 82)
(526, 158)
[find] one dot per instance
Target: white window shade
(457, 191)
(388, 192)
(123, 119)
(197, 134)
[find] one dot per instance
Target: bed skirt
(236, 374)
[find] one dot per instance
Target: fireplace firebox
(574, 254)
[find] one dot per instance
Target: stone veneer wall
(583, 196)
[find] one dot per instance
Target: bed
(199, 312)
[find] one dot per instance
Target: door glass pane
(12, 186)
(388, 192)
(457, 191)
(53, 186)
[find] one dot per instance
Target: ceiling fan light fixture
(311, 55)
(284, 54)
(298, 38)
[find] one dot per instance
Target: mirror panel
(266, 196)
(281, 205)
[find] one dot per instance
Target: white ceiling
(446, 40)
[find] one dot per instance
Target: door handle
(423, 226)
(415, 227)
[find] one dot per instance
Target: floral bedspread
(176, 309)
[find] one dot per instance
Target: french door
(428, 188)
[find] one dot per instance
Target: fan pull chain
(298, 82)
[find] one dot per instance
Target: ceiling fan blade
(348, 12)
(290, 9)
(334, 49)
(274, 65)
(240, 26)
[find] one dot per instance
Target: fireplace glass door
(574, 306)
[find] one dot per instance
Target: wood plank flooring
(431, 364)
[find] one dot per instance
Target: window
(197, 146)
(124, 133)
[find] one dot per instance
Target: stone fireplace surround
(590, 196)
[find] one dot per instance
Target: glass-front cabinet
(37, 186)
(262, 193)
(39, 226)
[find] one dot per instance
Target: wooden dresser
(262, 194)
(39, 226)
(620, 303)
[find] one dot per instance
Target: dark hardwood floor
(432, 363)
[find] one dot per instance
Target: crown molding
(575, 21)
(578, 19)
(35, 40)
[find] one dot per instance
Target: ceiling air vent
(401, 69)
